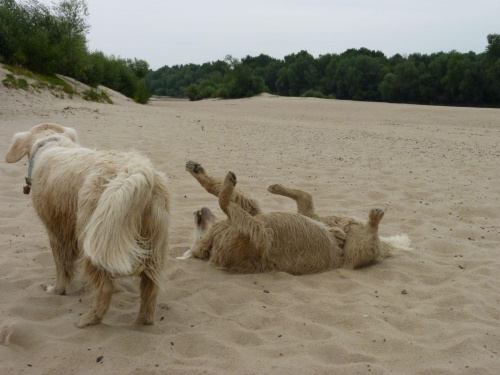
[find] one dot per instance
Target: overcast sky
(165, 32)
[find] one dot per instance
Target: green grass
(56, 85)
(18, 83)
(51, 82)
(97, 96)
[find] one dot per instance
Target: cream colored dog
(109, 208)
(250, 241)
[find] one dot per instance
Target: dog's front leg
(64, 258)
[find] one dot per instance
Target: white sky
(166, 32)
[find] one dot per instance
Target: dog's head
(203, 221)
(22, 143)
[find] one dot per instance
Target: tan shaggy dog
(109, 209)
(250, 241)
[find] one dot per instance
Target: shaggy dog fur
(110, 209)
(250, 241)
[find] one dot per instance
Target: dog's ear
(71, 133)
(20, 146)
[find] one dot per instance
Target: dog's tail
(393, 244)
(113, 234)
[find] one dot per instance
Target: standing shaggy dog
(250, 241)
(109, 208)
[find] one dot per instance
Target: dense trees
(123, 75)
(46, 40)
(51, 40)
(223, 79)
(451, 78)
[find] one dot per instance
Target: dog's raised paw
(232, 178)
(376, 214)
(275, 189)
(194, 167)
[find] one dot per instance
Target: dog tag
(27, 188)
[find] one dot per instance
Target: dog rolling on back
(109, 209)
(298, 243)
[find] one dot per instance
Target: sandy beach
(432, 310)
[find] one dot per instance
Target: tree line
(50, 40)
(452, 78)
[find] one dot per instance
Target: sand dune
(433, 310)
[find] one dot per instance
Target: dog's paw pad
(232, 178)
(376, 214)
(194, 167)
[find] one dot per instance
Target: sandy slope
(434, 169)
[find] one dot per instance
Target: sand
(433, 310)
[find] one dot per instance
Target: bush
(207, 89)
(97, 96)
(313, 94)
(192, 92)
(142, 94)
(17, 83)
(222, 92)
(117, 74)
(240, 83)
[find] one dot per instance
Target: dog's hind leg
(214, 185)
(246, 224)
(103, 290)
(374, 217)
(362, 245)
(65, 259)
(149, 294)
(304, 200)
(226, 193)
(156, 228)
